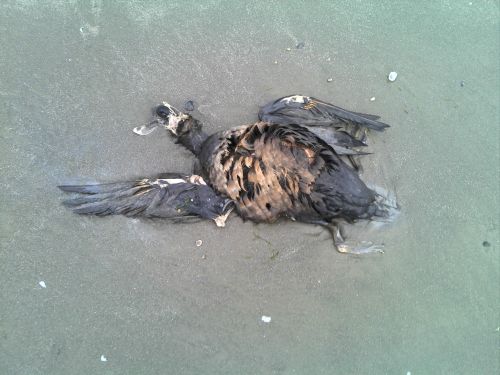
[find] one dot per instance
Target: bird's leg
(220, 220)
(355, 165)
(364, 135)
(349, 247)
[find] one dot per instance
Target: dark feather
(148, 198)
(304, 110)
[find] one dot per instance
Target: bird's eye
(163, 111)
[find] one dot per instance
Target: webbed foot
(351, 247)
(363, 247)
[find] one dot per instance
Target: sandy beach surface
(132, 296)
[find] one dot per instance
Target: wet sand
(75, 79)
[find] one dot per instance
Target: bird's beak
(148, 128)
(167, 116)
(171, 115)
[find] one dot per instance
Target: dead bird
(288, 165)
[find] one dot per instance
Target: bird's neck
(193, 140)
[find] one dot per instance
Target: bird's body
(285, 166)
(272, 171)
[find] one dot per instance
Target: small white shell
(199, 243)
(329, 80)
(42, 284)
(372, 99)
(392, 76)
(103, 358)
(266, 319)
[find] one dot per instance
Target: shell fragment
(266, 319)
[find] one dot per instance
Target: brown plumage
(268, 171)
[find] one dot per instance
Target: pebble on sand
(103, 358)
(189, 106)
(300, 45)
(329, 80)
(372, 99)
